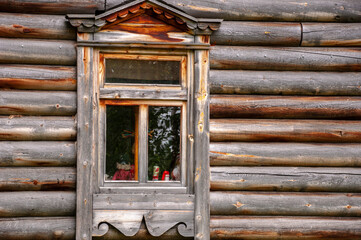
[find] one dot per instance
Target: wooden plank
(35, 26)
(37, 128)
(286, 58)
(285, 83)
(38, 103)
(33, 154)
(159, 94)
(285, 154)
(248, 106)
(257, 34)
(37, 77)
(294, 179)
(286, 204)
(281, 130)
(331, 34)
(37, 204)
(284, 228)
(37, 179)
(29, 51)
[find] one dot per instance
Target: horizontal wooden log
(37, 77)
(285, 154)
(285, 204)
(286, 58)
(264, 10)
(331, 34)
(257, 34)
(35, 26)
(37, 204)
(29, 51)
(37, 128)
(285, 82)
(37, 179)
(47, 103)
(284, 228)
(294, 179)
(233, 106)
(280, 130)
(32, 153)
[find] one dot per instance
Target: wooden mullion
(143, 144)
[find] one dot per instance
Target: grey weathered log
(32, 154)
(331, 34)
(37, 77)
(30, 51)
(159, 94)
(286, 58)
(284, 228)
(39, 228)
(37, 178)
(285, 154)
(257, 33)
(35, 26)
(286, 204)
(37, 204)
(20, 128)
(34, 103)
(280, 130)
(295, 179)
(265, 10)
(285, 82)
(248, 106)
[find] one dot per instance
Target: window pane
(164, 143)
(142, 71)
(121, 143)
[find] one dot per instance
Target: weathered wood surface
(284, 228)
(285, 82)
(35, 26)
(285, 154)
(33, 154)
(264, 10)
(331, 34)
(257, 33)
(37, 77)
(286, 58)
(285, 179)
(39, 228)
(285, 204)
(159, 94)
(39, 178)
(30, 51)
(248, 106)
(281, 130)
(37, 128)
(37, 204)
(57, 103)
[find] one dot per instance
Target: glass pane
(142, 71)
(121, 143)
(164, 144)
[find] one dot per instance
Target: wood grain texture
(37, 179)
(37, 77)
(58, 103)
(20, 128)
(301, 179)
(37, 204)
(280, 130)
(285, 204)
(30, 51)
(257, 34)
(285, 154)
(285, 83)
(286, 59)
(247, 106)
(33, 154)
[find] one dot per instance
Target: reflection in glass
(164, 143)
(121, 143)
